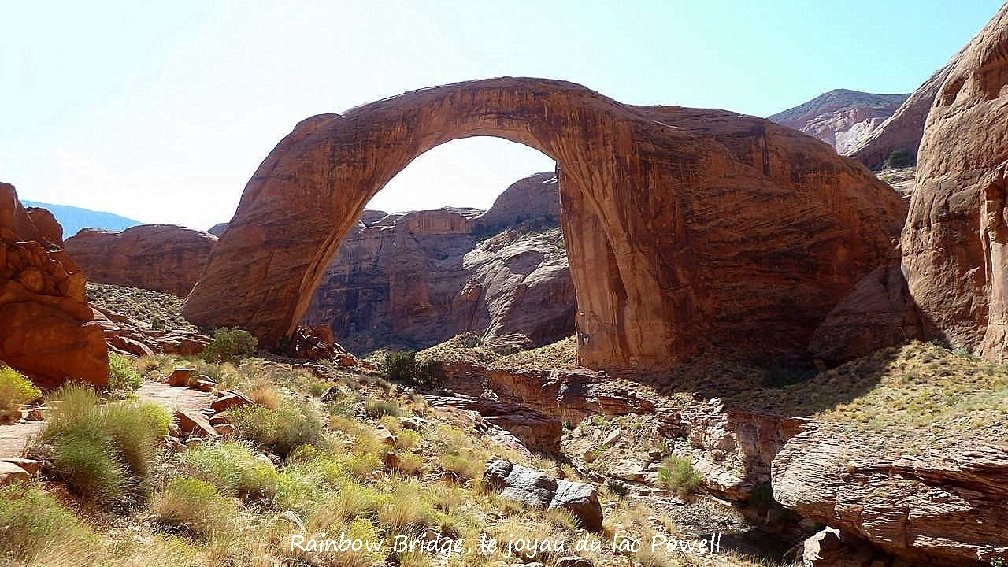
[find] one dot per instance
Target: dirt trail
(14, 437)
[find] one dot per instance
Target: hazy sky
(162, 112)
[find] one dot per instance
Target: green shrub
(232, 468)
(123, 375)
(404, 367)
(15, 389)
(229, 345)
(195, 505)
(679, 476)
(36, 525)
(279, 430)
(898, 159)
(381, 408)
(100, 449)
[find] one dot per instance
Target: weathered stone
(946, 505)
(159, 257)
(659, 205)
(31, 466)
(194, 424)
(229, 400)
(581, 500)
(954, 242)
(830, 548)
(11, 473)
(181, 377)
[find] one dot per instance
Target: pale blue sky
(162, 112)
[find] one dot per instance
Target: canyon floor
(292, 448)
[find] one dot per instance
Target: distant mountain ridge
(73, 219)
(841, 117)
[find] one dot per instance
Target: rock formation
(686, 230)
(418, 279)
(902, 130)
(841, 118)
(159, 257)
(46, 327)
(946, 505)
(954, 242)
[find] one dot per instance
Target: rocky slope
(416, 279)
(902, 130)
(47, 329)
(956, 233)
(158, 257)
(842, 118)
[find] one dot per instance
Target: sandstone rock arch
(687, 230)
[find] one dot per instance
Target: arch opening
(465, 239)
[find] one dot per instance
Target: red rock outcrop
(841, 117)
(417, 279)
(954, 242)
(947, 505)
(46, 327)
(686, 230)
(159, 257)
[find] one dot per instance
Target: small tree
(230, 344)
(898, 159)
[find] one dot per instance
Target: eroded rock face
(954, 241)
(686, 230)
(159, 257)
(904, 129)
(841, 117)
(417, 279)
(946, 505)
(879, 313)
(46, 327)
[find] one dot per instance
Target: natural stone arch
(642, 190)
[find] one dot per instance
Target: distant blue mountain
(75, 218)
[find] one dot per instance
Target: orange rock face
(954, 242)
(46, 327)
(159, 257)
(687, 230)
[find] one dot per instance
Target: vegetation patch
(229, 345)
(15, 390)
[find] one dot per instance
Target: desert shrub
(409, 464)
(195, 505)
(123, 374)
(404, 367)
(381, 408)
(462, 465)
(898, 159)
(229, 345)
(35, 525)
(99, 449)
(232, 468)
(15, 390)
(407, 439)
(679, 476)
(279, 430)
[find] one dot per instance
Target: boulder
(954, 241)
(11, 473)
(229, 400)
(829, 548)
(194, 424)
(159, 257)
(535, 488)
(943, 505)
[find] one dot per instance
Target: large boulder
(47, 330)
(159, 257)
(954, 242)
(535, 488)
(944, 505)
